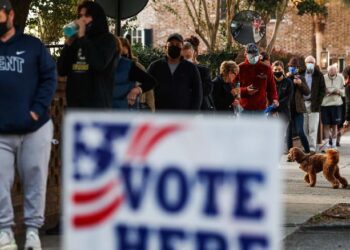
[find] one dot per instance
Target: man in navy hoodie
(27, 86)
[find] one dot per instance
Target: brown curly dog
(313, 164)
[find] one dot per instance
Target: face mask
(332, 76)
(252, 59)
(310, 67)
(293, 70)
(278, 74)
(88, 26)
(3, 28)
(174, 52)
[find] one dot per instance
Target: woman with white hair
(331, 107)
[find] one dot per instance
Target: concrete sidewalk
(302, 202)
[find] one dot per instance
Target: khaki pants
(311, 121)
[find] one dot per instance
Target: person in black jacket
(226, 95)
(87, 60)
(284, 90)
(179, 84)
(297, 105)
(190, 53)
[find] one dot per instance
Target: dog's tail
(332, 156)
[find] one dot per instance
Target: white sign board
(145, 182)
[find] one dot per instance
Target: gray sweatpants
(31, 154)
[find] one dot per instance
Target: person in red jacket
(257, 83)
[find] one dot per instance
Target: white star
(86, 166)
(92, 137)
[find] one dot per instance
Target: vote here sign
(145, 182)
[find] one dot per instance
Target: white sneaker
(32, 241)
(324, 147)
(7, 241)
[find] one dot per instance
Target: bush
(146, 55)
(284, 57)
(214, 60)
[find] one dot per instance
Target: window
(141, 36)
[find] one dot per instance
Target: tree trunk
(320, 26)
(279, 19)
(21, 8)
(230, 10)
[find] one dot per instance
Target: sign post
(122, 9)
(171, 182)
(117, 18)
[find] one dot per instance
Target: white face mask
(253, 59)
(310, 67)
(332, 76)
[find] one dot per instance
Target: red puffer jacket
(260, 75)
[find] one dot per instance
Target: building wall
(164, 23)
(294, 36)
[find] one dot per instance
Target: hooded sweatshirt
(27, 83)
(88, 64)
(260, 76)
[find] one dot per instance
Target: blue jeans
(298, 120)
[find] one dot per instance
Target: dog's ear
(298, 154)
(290, 155)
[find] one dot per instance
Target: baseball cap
(252, 49)
(5, 4)
(175, 36)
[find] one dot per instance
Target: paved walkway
(302, 202)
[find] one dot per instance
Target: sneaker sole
(9, 247)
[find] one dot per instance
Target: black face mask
(3, 28)
(174, 51)
(278, 74)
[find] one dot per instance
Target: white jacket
(333, 85)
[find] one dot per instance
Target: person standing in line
(226, 96)
(190, 53)
(297, 105)
(257, 83)
(28, 81)
(147, 98)
(285, 93)
(130, 81)
(346, 74)
(315, 81)
(88, 60)
(331, 107)
(179, 85)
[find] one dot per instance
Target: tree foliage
(311, 7)
(49, 16)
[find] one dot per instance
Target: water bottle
(237, 109)
(70, 30)
(237, 86)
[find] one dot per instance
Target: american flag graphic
(99, 148)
